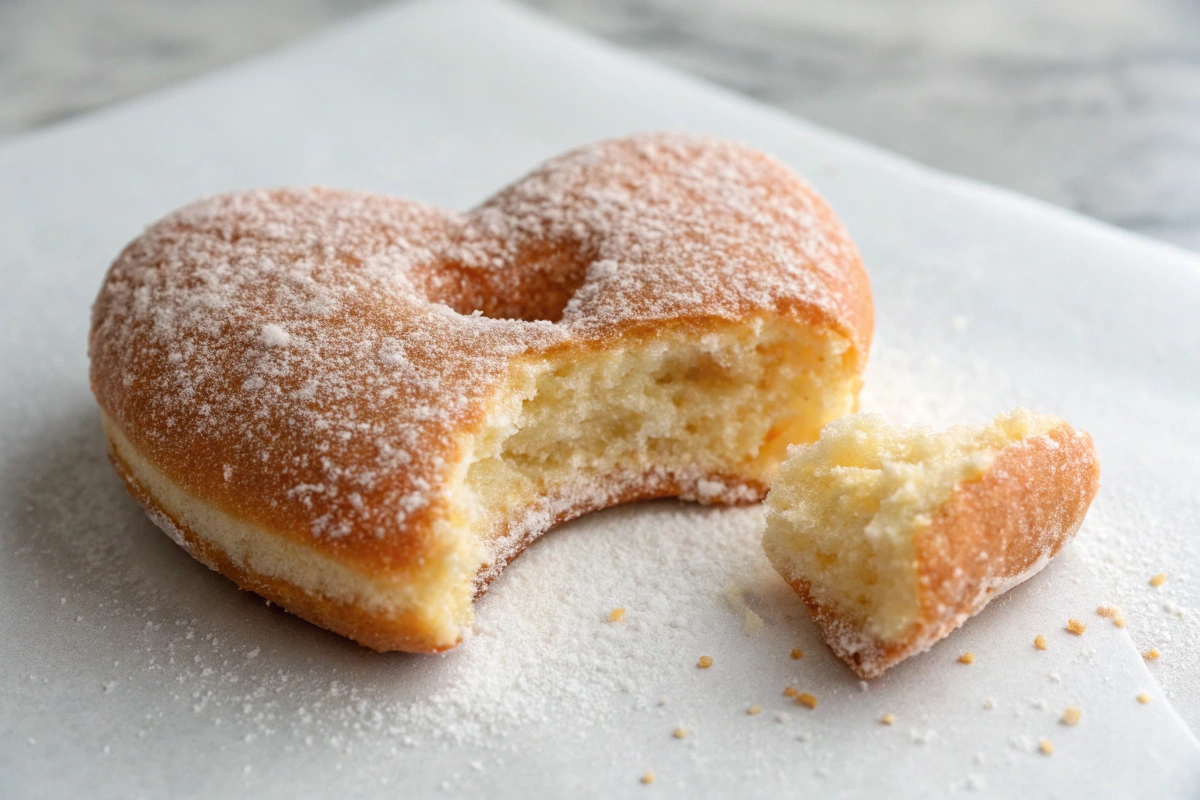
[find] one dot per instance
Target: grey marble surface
(1091, 104)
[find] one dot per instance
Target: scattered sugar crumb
(888, 719)
(647, 777)
(1045, 746)
(705, 662)
(1071, 716)
(1158, 580)
(755, 709)
(1107, 611)
(680, 733)
(1039, 642)
(967, 658)
(1152, 654)
(790, 691)
(783, 717)
(989, 704)
(796, 653)
(616, 615)
(806, 699)
(1076, 627)
(1144, 698)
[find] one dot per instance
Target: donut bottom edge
(379, 625)
(371, 625)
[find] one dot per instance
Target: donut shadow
(87, 552)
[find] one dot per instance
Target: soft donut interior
(706, 416)
(844, 512)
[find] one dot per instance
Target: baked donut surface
(362, 407)
(893, 537)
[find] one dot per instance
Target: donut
(893, 536)
(361, 408)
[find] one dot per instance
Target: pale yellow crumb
(1152, 654)
(1076, 627)
(1107, 611)
(679, 733)
(790, 691)
(1045, 746)
(1144, 698)
(755, 709)
(1039, 642)
(1119, 620)
(1159, 579)
(616, 615)
(796, 653)
(888, 719)
(1071, 716)
(967, 658)
(705, 662)
(648, 777)
(806, 699)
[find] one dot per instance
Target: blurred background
(1090, 104)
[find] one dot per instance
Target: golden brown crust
(313, 362)
(991, 533)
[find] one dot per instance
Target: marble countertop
(1091, 104)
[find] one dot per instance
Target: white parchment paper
(127, 669)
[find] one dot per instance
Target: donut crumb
(754, 709)
(1152, 654)
(1039, 642)
(1144, 698)
(648, 777)
(1071, 716)
(1046, 748)
(796, 654)
(806, 699)
(705, 662)
(888, 719)
(967, 658)
(1076, 627)
(790, 691)
(679, 733)
(616, 615)
(1158, 580)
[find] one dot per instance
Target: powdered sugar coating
(310, 359)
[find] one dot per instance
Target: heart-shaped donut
(361, 407)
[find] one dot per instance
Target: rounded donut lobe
(362, 407)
